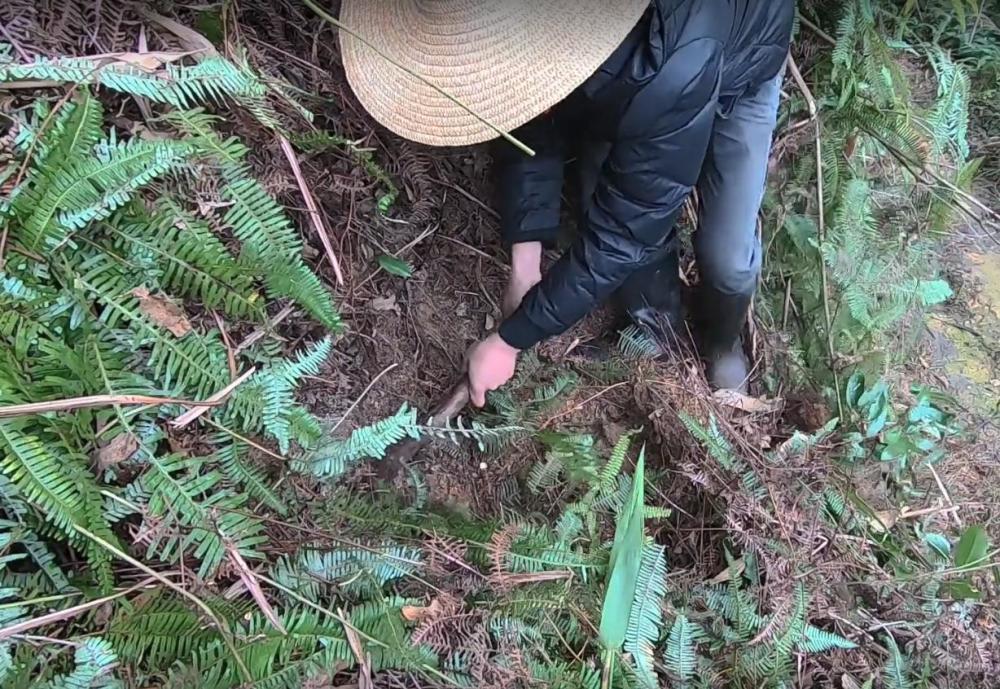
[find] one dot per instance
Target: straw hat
(506, 60)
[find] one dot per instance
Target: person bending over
(651, 99)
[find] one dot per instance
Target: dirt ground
(407, 336)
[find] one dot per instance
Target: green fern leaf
(934, 292)
(335, 458)
(355, 569)
(157, 631)
(210, 517)
(896, 674)
(95, 661)
(188, 258)
(274, 387)
(92, 188)
(646, 616)
(41, 478)
(240, 473)
(817, 641)
(612, 470)
(715, 441)
(680, 656)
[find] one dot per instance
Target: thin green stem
(221, 624)
(347, 624)
(333, 20)
(821, 235)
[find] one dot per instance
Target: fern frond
(335, 458)
(355, 569)
(636, 345)
(65, 494)
(646, 616)
(95, 661)
(949, 119)
(208, 516)
(188, 258)
(680, 656)
(714, 440)
(780, 649)
(91, 188)
(896, 674)
(267, 401)
(158, 631)
(240, 473)
(818, 640)
(75, 132)
(613, 469)
(269, 240)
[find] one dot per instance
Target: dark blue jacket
(655, 100)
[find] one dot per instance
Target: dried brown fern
(500, 546)
(71, 27)
(414, 168)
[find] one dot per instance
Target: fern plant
(890, 169)
(103, 251)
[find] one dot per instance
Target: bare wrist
(526, 261)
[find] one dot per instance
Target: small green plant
(917, 435)
(971, 555)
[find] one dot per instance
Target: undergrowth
(172, 516)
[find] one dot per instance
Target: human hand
(491, 365)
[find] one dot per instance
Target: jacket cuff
(520, 332)
(546, 235)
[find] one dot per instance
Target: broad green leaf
(802, 231)
(925, 412)
(972, 547)
(623, 568)
(959, 7)
(879, 422)
(961, 590)
(395, 266)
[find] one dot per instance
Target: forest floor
(408, 329)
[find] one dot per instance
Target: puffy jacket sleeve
(652, 167)
(530, 187)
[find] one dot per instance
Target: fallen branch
(68, 613)
(249, 579)
(220, 624)
(93, 401)
(260, 332)
(364, 392)
(315, 217)
(218, 398)
(803, 87)
(821, 236)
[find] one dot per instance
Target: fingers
(478, 396)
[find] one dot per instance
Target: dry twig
(68, 613)
(315, 216)
(218, 398)
(94, 401)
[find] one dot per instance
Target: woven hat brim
(508, 61)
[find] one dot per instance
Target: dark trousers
(731, 187)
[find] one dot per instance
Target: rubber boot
(720, 319)
(651, 297)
